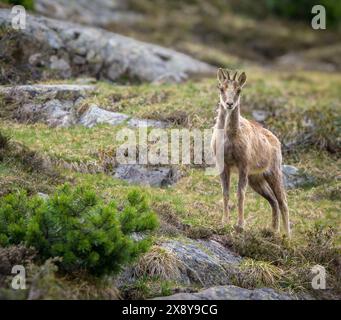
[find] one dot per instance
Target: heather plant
(77, 226)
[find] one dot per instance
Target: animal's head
(230, 88)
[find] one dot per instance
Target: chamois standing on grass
(250, 149)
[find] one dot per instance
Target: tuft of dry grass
(159, 262)
(252, 274)
(277, 262)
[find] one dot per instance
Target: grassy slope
(195, 102)
(195, 200)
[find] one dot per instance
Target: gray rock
(208, 262)
(95, 12)
(36, 60)
(43, 196)
(152, 176)
(55, 105)
(60, 65)
(229, 292)
(260, 115)
(107, 55)
(294, 178)
(204, 263)
(51, 104)
(95, 115)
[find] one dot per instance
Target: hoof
(287, 236)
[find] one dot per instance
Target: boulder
(204, 263)
(49, 48)
(96, 115)
(146, 175)
(208, 262)
(230, 292)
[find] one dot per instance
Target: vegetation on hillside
(192, 207)
(75, 226)
(302, 108)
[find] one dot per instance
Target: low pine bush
(77, 226)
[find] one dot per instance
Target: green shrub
(28, 4)
(75, 225)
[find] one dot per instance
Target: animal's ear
(242, 79)
(221, 76)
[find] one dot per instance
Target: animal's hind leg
(275, 180)
(260, 185)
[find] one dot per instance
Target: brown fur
(253, 151)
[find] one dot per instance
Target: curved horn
(228, 74)
(221, 76)
(235, 75)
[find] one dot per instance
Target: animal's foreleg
(242, 184)
(225, 185)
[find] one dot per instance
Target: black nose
(229, 105)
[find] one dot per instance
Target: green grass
(69, 144)
(287, 96)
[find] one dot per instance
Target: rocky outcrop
(207, 262)
(57, 105)
(230, 292)
(49, 48)
(203, 263)
(95, 13)
(54, 105)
